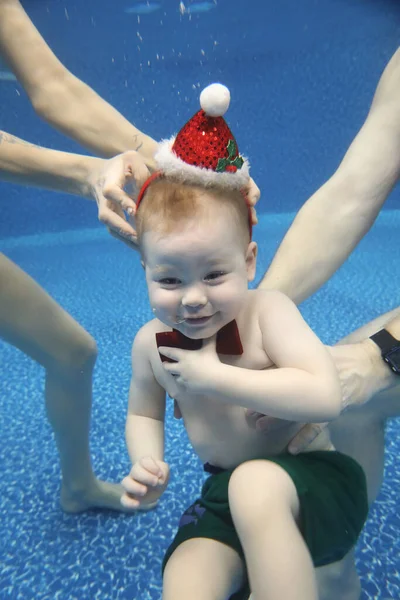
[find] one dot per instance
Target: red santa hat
(204, 152)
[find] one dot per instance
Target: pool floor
(46, 554)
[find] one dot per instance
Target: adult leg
(360, 434)
(202, 569)
(265, 509)
(37, 325)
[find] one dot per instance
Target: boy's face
(197, 275)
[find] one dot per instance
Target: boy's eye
(169, 281)
(215, 275)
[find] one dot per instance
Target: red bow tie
(228, 341)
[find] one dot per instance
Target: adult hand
(145, 483)
(253, 195)
(109, 184)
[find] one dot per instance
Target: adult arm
(59, 97)
(25, 163)
(332, 222)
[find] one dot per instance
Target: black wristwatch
(390, 349)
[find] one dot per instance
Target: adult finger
(305, 436)
(117, 224)
(114, 193)
(133, 244)
(253, 192)
(253, 213)
(129, 169)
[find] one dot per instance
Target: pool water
(47, 554)
(301, 76)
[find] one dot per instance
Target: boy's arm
(303, 387)
(333, 221)
(146, 407)
(59, 97)
(149, 475)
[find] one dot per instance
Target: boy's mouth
(197, 320)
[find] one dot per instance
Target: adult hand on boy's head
(253, 195)
(145, 483)
(116, 206)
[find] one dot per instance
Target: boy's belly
(221, 436)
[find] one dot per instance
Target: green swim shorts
(333, 501)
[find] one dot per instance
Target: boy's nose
(194, 297)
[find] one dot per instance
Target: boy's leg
(265, 508)
(37, 325)
(202, 569)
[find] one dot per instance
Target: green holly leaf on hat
(233, 162)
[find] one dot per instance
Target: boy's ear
(251, 260)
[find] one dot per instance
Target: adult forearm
(24, 163)
(144, 437)
(59, 97)
(339, 214)
(385, 378)
(283, 393)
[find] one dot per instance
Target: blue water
(301, 76)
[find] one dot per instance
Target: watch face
(393, 360)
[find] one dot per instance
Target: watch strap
(385, 341)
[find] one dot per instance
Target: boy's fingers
(133, 487)
(129, 502)
(150, 466)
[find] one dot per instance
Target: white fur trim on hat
(173, 166)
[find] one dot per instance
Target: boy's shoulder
(268, 298)
(270, 305)
(146, 336)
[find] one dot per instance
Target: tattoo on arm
(135, 141)
(12, 139)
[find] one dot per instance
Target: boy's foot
(99, 495)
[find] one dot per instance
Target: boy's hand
(145, 483)
(193, 370)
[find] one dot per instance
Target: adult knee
(76, 358)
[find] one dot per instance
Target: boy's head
(194, 225)
(197, 253)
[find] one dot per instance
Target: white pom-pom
(214, 100)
